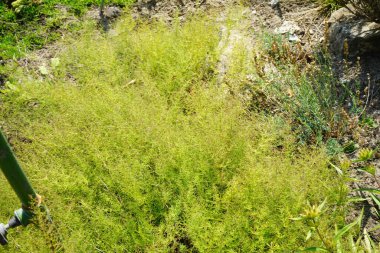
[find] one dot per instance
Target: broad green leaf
(344, 230)
(376, 191)
(354, 200)
(377, 202)
(375, 199)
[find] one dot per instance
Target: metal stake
(20, 184)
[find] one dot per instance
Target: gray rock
(343, 14)
(362, 37)
(290, 27)
(294, 38)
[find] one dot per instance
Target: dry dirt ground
(304, 13)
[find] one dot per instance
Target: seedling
(365, 155)
(349, 147)
(312, 214)
(345, 164)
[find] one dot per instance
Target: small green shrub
(365, 154)
(283, 79)
(137, 150)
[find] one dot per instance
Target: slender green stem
(325, 243)
(14, 174)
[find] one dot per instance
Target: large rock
(357, 41)
(361, 37)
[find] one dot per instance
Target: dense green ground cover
(136, 149)
(40, 22)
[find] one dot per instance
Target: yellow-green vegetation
(137, 148)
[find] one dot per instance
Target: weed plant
(136, 149)
(281, 78)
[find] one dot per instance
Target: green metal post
(20, 184)
(15, 175)
(24, 190)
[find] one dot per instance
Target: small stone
(288, 27)
(250, 77)
(274, 3)
(294, 38)
(112, 12)
(340, 15)
(145, 11)
(245, 12)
